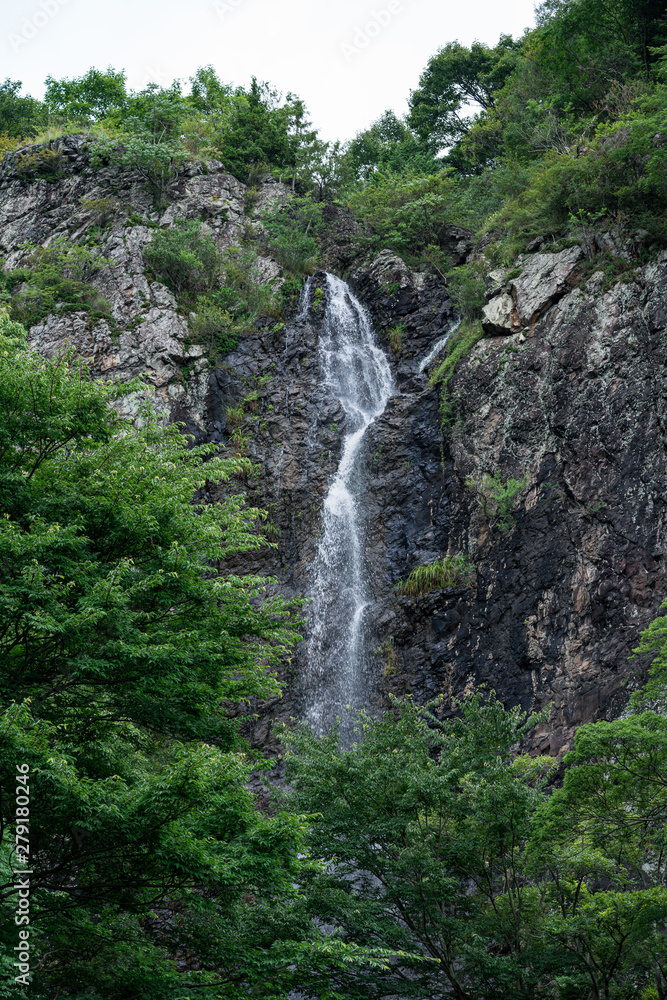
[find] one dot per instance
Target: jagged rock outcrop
(543, 279)
(149, 337)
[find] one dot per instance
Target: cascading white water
(357, 373)
(304, 300)
(438, 346)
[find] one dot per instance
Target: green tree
(301, 134)
(19, 116)
(638, 24)
(423, 825)
(600, 841)
(90, 97)
(258, 132)
(208, 94)
(453, 79)
(149, 138)
(122, 648)
(388, 145)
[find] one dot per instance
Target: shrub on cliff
(450, 571)
(146, 135)
(186, 259)
(56, 279)
(618, 170)
(214, 328)
(226, 289)
(290, 234)
(244, 290)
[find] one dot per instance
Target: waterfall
(357, 373)
(438, 346)
(304, 300)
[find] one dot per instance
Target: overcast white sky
(349, 59)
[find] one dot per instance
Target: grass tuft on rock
(449, 571)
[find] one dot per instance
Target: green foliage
(54, 280)
(45, 163)
(155, 130)
(147, 137)
(653, 641)
(388, 146)
(407, 212)
(449, 571)
(101, 210)
(632, 25)
(90, 97)
(291, 234)
(386, 651)
(425, 821)
(289, 292)
(121, 650)
(395, 338)
(214, 328)
(257, 133)
(620, 171)
(225, 289)
(466, 287)
(497, 498)
(244, 293)
(446, 846)
(186, 259)
(19, 116)
(158, 162)
(606, 827)
(459, 344)
(452, 79)
(568, 128)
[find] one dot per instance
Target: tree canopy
(122, 649)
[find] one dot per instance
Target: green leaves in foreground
(442, 841)
(122, 651)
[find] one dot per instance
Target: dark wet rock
(577, 406)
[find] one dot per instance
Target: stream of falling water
(357, 373)
(439, 345)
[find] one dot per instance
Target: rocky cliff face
(149, 336)
(570, 399)
(566, 392)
